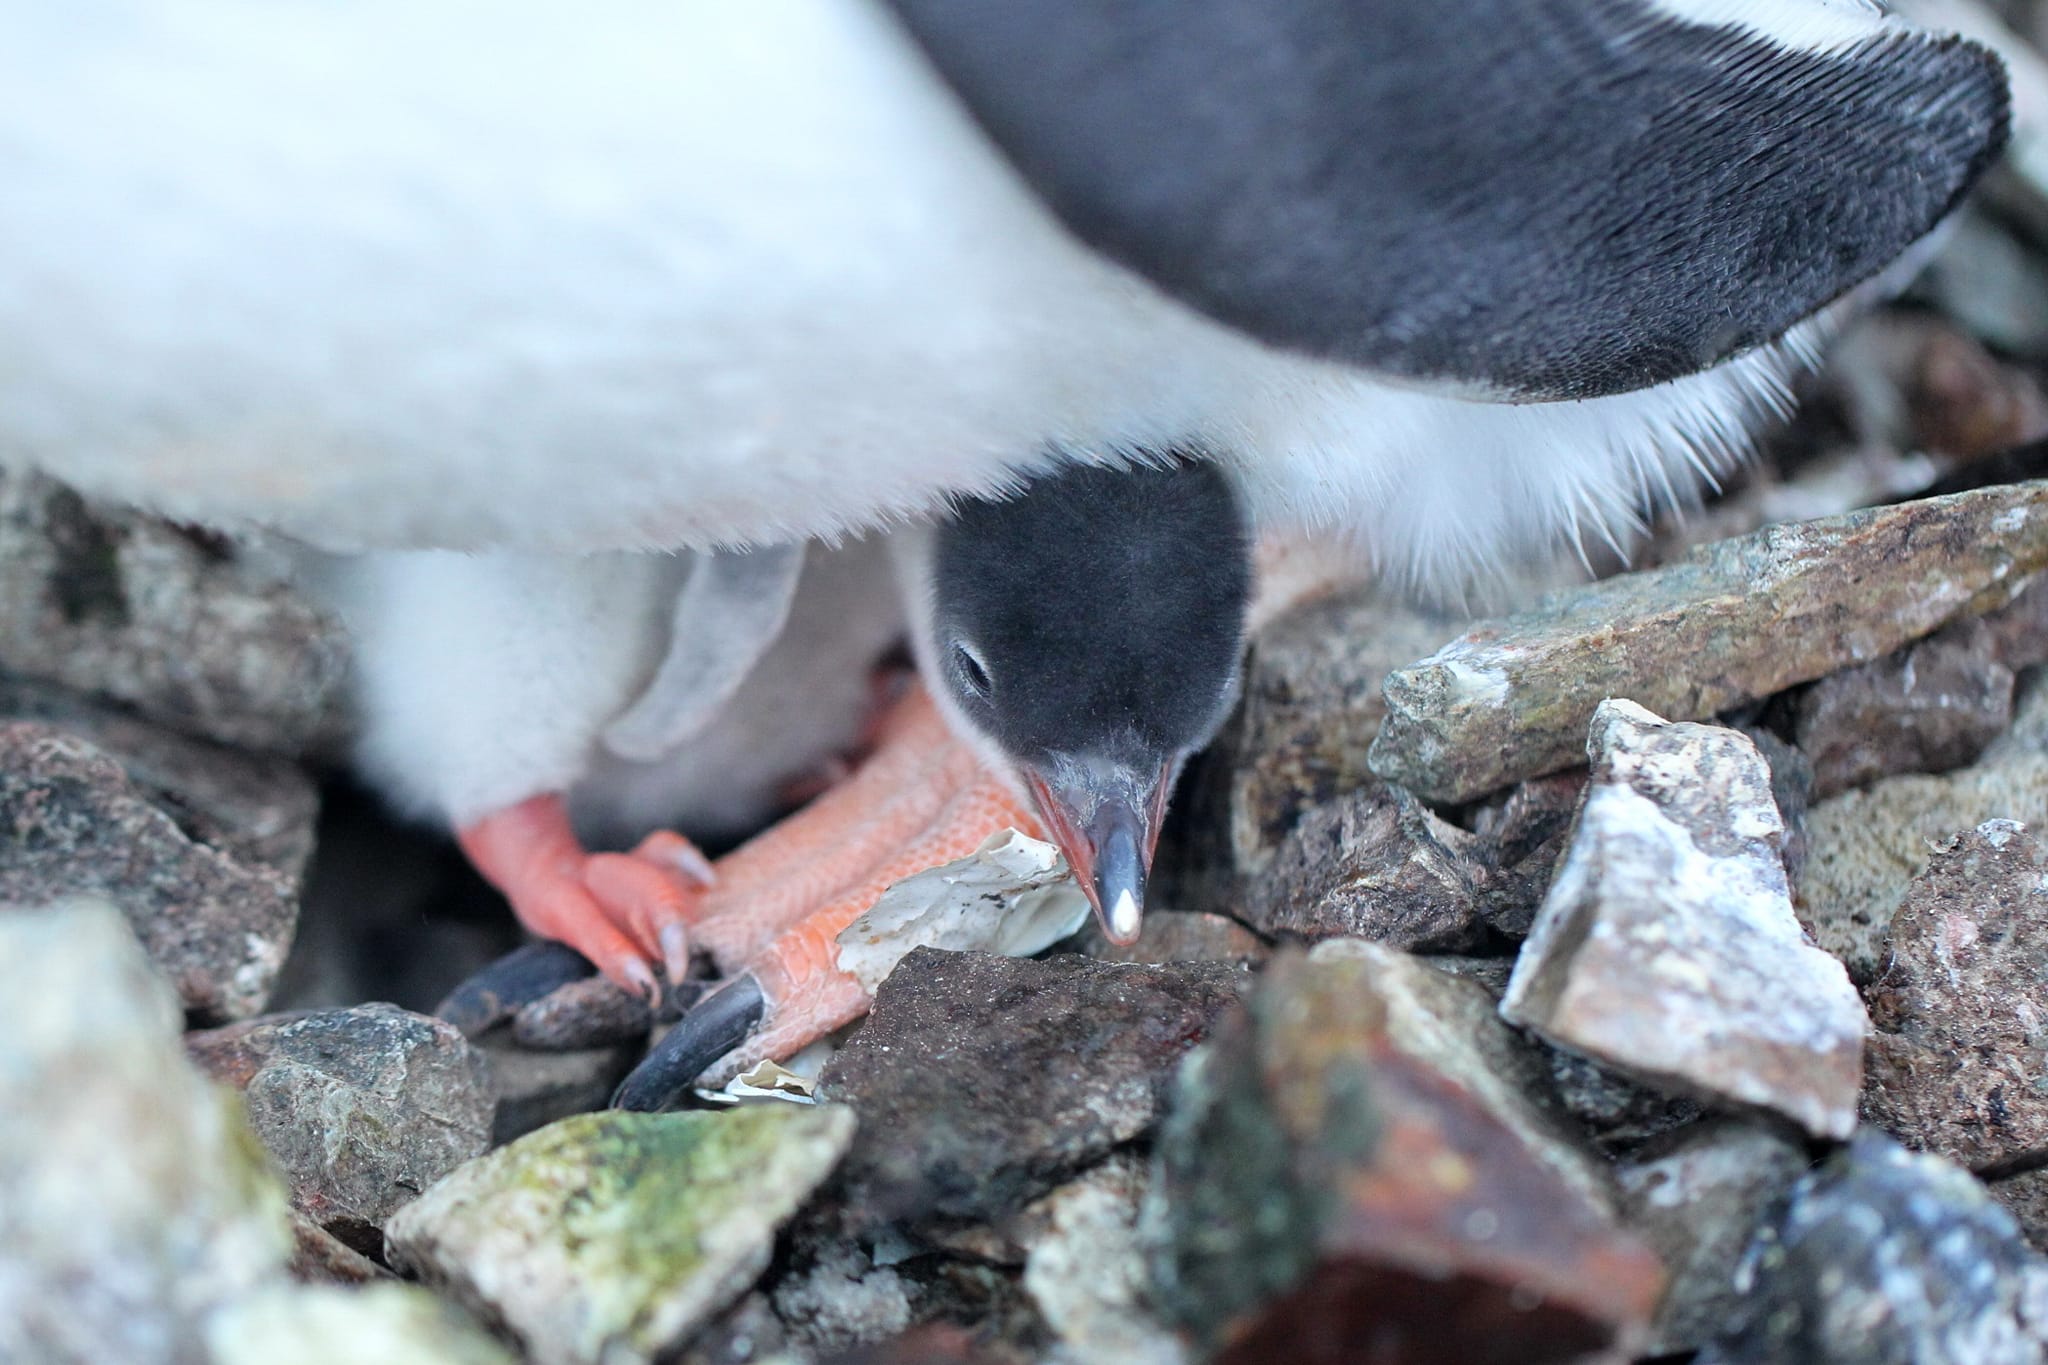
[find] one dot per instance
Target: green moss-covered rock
(610, 1237)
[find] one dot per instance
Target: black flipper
(1533, 199)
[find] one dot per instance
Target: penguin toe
(781, 901)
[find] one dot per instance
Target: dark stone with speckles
(1955, 1064)
(1377, 865)
(362, 1108)
(1887, 1257)
(981, 1081)
(215, 919)
(187, 629)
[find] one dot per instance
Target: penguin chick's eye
(971, 671)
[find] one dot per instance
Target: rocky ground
(1654, 970)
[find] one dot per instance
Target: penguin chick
(1086, 639)
(1079, 642)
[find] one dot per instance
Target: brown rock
(187, 630)
(1375, 864)
(1926, 709)
(1334, 1186)
(72, 823)
(980, 1080)
(1728, 623)
(1955, 1067)
(1668, 948)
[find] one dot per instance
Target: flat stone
(136, 1202)
(981, 1080)
(612, 1237)
(1374, 864)
(1929, 708)
(1180, 936)
(1728, 623)
(361, 1108)
(217, 925)
(254, 807)
(533, 1089)
(1888, 1255)
(1696, 1197)
(191, 632)
(1869, 845)
(1346, 1175)
(1084, 1269)
(1668, 947)
(1962, 1008)
(392, 1324)
(1311, 706)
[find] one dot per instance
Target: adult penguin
(1452, 277)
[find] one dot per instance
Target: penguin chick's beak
(1105, 817)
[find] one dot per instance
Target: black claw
(520, 977)
(719, 1023)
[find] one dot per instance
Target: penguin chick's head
(1089, 632)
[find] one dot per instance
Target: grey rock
(1373, 864)
(1887, 1257)
(390, 1324)
(1180, 936)
(217, 925)
(1731, 622)
(361, 1108)
(253, 807)
(1084, 1269)
(532, 1089)
(982, 1080)
(841, 1300)
(1869, 845)
(1955, 1065)
(1347, 1175)
(136, 1202)
(190, 632)
(1696, 1197)
(613, 1237)
(1668, 948)
(1929, 708)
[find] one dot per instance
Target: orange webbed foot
(772, 922)
(626, 912)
